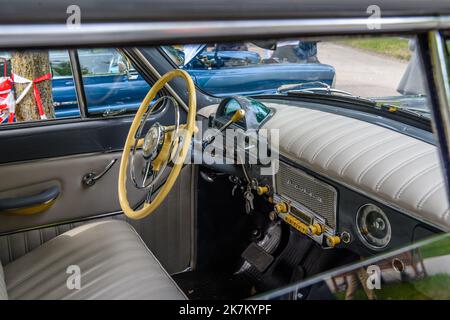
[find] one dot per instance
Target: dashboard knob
(281, 207)
(316, 229)
(238, 115)
(333, 241)
(262, 190)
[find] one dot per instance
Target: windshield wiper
(299, 88)
(312, 87)
(294, 86)
(323, 90)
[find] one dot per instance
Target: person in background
(412, 80)
(307, 51)
(232, 46)
(294, 51)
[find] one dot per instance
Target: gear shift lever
(238, 115)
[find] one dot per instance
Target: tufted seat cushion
(113, 261)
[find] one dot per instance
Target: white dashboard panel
(384, 164)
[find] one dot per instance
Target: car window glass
(111, 84)
(36, 85)
(421, 272)
(386, 70)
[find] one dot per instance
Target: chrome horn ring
(153, 142)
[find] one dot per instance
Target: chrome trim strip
(440, 76)
(302, 206)
(40, 35)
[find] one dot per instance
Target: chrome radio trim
(299, 206)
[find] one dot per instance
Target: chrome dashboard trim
(333, 226)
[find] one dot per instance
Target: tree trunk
(32, 65)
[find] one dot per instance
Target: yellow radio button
(262, 190)
(333, 241)
(281, 207)
(316, 229)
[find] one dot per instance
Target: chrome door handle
(89, 179)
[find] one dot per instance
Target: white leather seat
(113, 260)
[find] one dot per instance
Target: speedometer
(255, 111)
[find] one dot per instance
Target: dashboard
(345, 182)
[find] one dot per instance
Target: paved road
(360, 72)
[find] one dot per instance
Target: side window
(111, 84)
(36, 85)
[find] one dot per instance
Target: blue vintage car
(111, 84)
(224, 73)
(221, 73)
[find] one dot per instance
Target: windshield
(386, 70)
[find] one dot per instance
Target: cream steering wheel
(159, 146)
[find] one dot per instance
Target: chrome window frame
(153, 33)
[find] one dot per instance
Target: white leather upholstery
(384, 164)
(113, 260)
(166, 232)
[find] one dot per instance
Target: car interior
(157, 179)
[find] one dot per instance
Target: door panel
(167, 232)
(40, 155)
(76, 201)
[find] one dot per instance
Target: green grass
(435, 287)
(389, 46)
(436, 248)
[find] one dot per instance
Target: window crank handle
(90, 178)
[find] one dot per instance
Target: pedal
(257, 257)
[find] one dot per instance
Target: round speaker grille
(374, 227)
